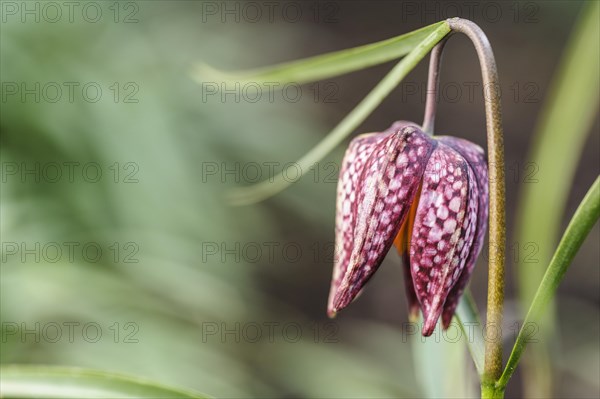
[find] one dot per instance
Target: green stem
(492, 367)
(493, 112)
(433, 82)
(582, 222)
(491, 391)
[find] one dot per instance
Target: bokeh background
(133, 245)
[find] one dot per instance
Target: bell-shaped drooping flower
(429, 197)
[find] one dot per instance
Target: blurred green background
(159, 278)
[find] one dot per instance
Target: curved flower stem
(493, 112)
(433, 82)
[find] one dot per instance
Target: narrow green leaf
(440, 363)
(560, 135)
(267, 188)
(468, 318)
(19, 381)
(582, 222)
(325, 65)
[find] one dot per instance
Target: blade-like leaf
(20, 381)
(468, 318)
(560, 135)
(440, 362)
(267, 188)
(582, 222)
(325, 65)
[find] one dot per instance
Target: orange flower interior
(402, 240)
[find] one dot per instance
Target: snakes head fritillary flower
(426, 195)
